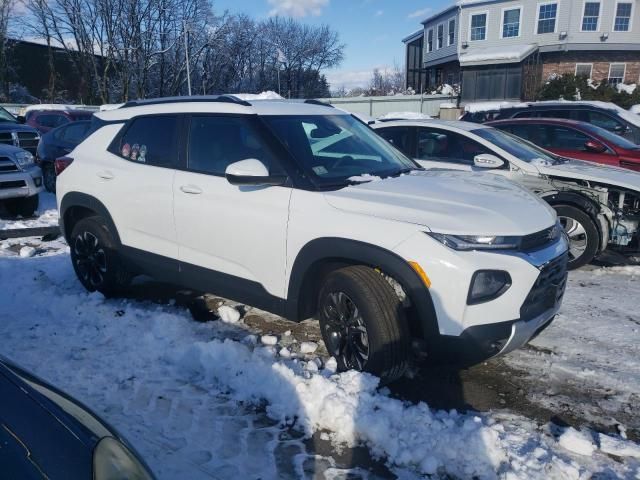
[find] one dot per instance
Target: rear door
(232, 238)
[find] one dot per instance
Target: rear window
(152, 140)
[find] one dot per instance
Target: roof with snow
(493, 55)
(413, 36)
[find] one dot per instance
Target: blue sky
(371, 29)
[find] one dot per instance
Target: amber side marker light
(421, 273)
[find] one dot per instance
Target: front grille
(28, 141)
(13, 184)
(7, 166)
(548, 290)
(537, 240)
(6, 138)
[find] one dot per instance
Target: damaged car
(598, 205)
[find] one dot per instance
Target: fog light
(487, 285)
(37, 181)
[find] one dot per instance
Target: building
(505, 49)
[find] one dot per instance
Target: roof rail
(194, 98)
(313, 101)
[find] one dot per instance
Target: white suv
(302, 210)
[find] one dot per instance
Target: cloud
(419, 13)
(379, 13)
(297, 8)
(351, 78)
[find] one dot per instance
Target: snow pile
(27, 252)
(635, 109)
(577, 442)
(268, 95)
(365, 177)
(476, 107)
(404, 116)
(626, 88)
(308, 347)
(633, 271)
(228, 314)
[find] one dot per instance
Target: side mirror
(486, 160)
(594, 146)
(251, 172)
(21, 119)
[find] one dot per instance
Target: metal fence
(377, 106)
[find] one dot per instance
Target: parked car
(48, 434)
(12, 132)
(58, 143)
(571, 139)
(601, 114)
(46, 120)
(20, 181)
(598, 206)
(302, 210)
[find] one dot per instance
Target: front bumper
(23, 183)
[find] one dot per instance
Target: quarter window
(511, 23)
(217, 142)
(430, 40)
(547, 14)
(435, 144)
(616, 73)
(152, 140)
(591, 16)
(584, 70)
(452, 31)
(479, 26)
(622, 21)
(440, 35)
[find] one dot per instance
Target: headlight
(476, 242)
(24, 159)
(113, 461)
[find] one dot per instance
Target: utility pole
(186, 55)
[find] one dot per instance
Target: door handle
(105, 175)
(191, 189)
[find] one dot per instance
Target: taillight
(61, 163)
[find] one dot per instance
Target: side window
(74, 132)
(525, 114)
(152, 140)
(554, 114)
(435, 144)
(399, 137)
(567, 139)
(217, 142)
(536, 134)
(51, 121)
(604, 121)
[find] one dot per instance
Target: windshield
(611, 137)
(336, 150)
(6, 116)
(518, 147)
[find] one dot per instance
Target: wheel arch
(76, 206)
(323, 255)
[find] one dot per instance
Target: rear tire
(363, 323)
(584, 239)
(23, 206)
(95, 258)
(49, 177)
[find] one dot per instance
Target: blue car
(46, 434)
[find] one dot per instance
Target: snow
(626, 88)
(510, 53)
(27, 251)
(110, 106)
(202, 400)
(47, 215)
(365, 177)
(404, 116)
(308, 347)
(228, 314)
(268, 95)
(490, 106)
(55, 106)
(635, 109)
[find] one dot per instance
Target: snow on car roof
(466, 126)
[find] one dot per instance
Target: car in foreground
(58, 143)
(601, 114)
(20, 181)
(571, 139)
(300, 209)
(12, 132)
(598, 206)
(47, 434)
(47, 119)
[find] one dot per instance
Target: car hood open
(449, 202)
(594, 172)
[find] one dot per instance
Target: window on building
(547, 13)
(152, 140)
(511, 23)
(584, 70)
(478, 26)
(430, 40)
(591, 16)
(441, 35)
(452, 31)
(616, 73)
(622, 22)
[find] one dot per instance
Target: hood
(16, 127)
(594, 172)
(9, 150)
(462, 203)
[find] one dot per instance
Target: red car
(573, 139)
(45, 120)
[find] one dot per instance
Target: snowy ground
(242, 397)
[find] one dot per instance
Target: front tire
(584, 239)
(23, 206)
(363, 324)
(95, 258)
(49, 177)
